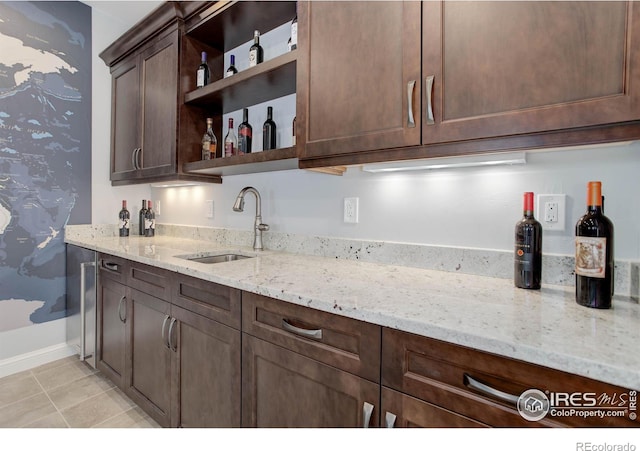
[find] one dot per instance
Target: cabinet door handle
(490, 391)
(389, 420)
(120, 304)
(133, 158)
(316, 334)
(170, 335)
(164, 335)
(429, 89)
(110, 266)
(411, 123)
(367, 411)
(139, 158)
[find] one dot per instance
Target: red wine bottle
(149, 221)
(230, 142)
(245, 134)
(528, 249)
(256, 53)
(125, 218)
(269, 131)
(231, 70)
(202, 74)
(141, 214)
(594, 253)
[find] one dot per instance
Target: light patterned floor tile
(26, 411)
(63, 374)
(13, 388)
(54, 420)
(80, 390)
(133, 418)
(96, 409)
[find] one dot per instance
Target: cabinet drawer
(217, 302)
(114, 268)
(444, 374)
(150, 280)
(344, 343)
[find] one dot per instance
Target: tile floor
(66, 393)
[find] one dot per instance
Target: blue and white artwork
(45, 152)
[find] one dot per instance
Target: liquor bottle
(125, 218)
(527, 271)
(269, 131)
(256, 54)
(594, 253)
(230, 141)
(202, 75)
(143, 211)
(294, 32)
(232, 67)
(149, 221)
(293, 132)
(209, 142)
(245, 134)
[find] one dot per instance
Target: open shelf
(266, 161)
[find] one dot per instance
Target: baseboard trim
(33, 359)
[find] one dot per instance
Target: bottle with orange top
(528, 248)
(594, 253)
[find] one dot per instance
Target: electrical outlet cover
(545, 214)
(351, 210)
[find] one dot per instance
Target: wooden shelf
(270, 160)
(268, 80)
(227, 24)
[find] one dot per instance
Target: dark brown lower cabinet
(112, 330)
(284, 389)
(400, 410)
(208, 358)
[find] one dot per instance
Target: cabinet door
(159, 86)
(507, 68)
(284, 389)
(125, 118)
(400, 410)
(358, 76)
(112, 315)
(150, 379)
(209, 371)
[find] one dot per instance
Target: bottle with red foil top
(594, 253)
(528, 248)
(230, 141)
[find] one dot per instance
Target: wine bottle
(594, 253)
(202, 75)
(149, 221)
(125, 218)
(528, 248)
(256, 54)
(269, 131)
(245, 134)
(293, 132)
(143, 210)
(294, 32)
(230, 141)
(232, 67)
(209, 142)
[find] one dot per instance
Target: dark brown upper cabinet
(489, 76)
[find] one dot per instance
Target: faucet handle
(263, 227)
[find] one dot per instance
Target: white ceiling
(127, 12)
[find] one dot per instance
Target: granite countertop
(544, 327)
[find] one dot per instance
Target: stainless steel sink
(216, 258)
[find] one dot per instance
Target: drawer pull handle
(316, 334)
(389, 420)
(411, 123)
(367, 411)
(120, 304)
(110, 266)
(429, 88)
(170, 335)
(165, 342)
(490, 391)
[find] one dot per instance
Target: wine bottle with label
(293, 40)
(141, 214)
(293, 132)
(528, 248)
(269, 131)
(594, 253)
(256, 53)
(209, 142)
(245, 134)
(232, 67)
(230, 141)
(202, 75)
(124, 220)
(149, 221)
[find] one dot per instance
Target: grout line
(52, 403)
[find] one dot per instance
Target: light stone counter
(545, 327)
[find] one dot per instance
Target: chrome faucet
(258, 227)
